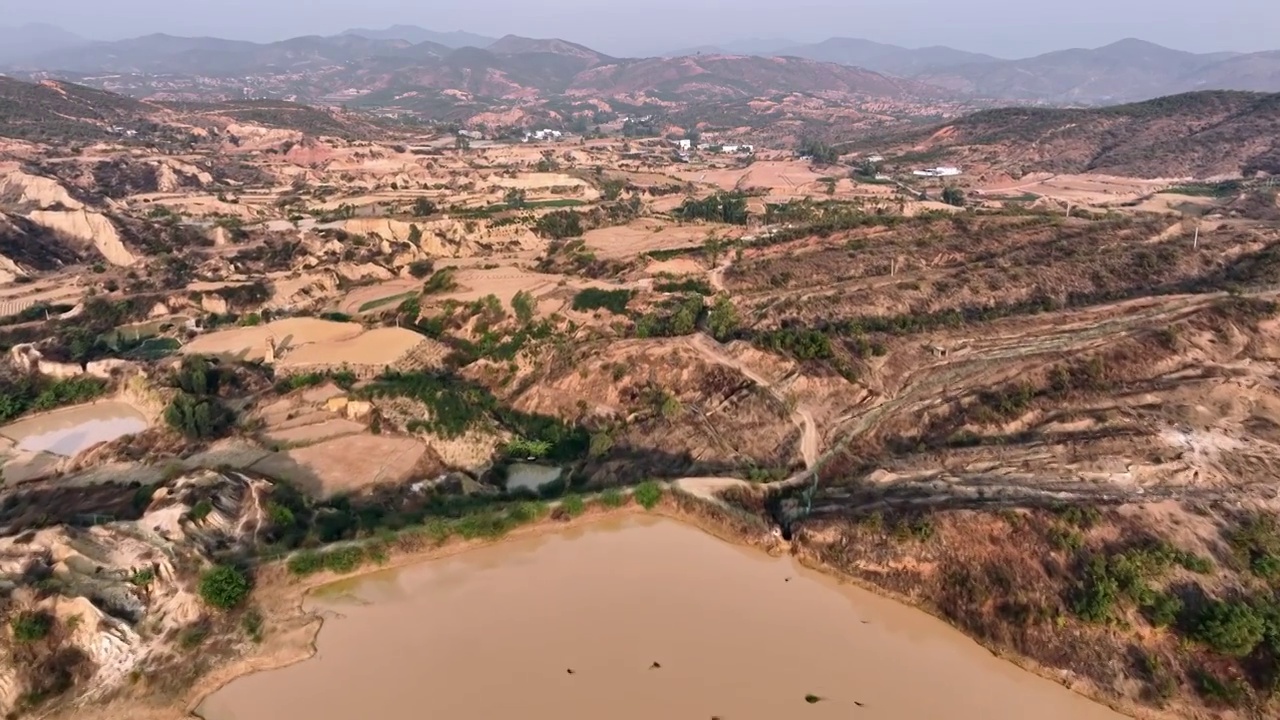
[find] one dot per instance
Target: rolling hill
(1201, 135)
(736, 77)
(880, 57)
(1124, 71)
(63, 111)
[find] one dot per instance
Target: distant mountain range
(414, 34)
(25, 41)
(1125, 71)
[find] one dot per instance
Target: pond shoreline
(292, 630)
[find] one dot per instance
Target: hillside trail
(801, 416)
(716, 277)
(984, 359)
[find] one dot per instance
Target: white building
(685, 145)
(943, 171)
(543, 135)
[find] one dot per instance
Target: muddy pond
(70, 430)
(530, 476)
(656, 620)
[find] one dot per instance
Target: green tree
(524, 306)
(462, 142)
(197, 376)
(514, 198)
(712, 247)
(421, 268)
(953, 195)
(612, 189)
(559, 224)
(820, 152)
(722, 321)
(223, 587)
(423, 207)
(415, 234)
(199, 418)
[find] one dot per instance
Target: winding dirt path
(801, 416)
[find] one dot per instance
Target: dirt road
(801, 416)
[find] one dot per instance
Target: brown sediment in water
(292, 630)
(735, 633)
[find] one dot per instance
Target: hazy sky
(1002, 27)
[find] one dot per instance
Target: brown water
(490, 635)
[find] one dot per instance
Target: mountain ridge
(1205, 134)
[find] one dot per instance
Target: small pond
(70, 430)
(530, 476)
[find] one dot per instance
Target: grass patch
(573, 505)
(380, 302)
(1216, 190)
(613, 498)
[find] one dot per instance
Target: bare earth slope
(1199, 134)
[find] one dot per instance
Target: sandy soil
(249, 343)
(380, 346)
(649, 234)
(346, 464)
(784, 177)
(1079, 189)
(315, 432)
(679, 266)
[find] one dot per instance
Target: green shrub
(223, 587)
(573, 505)
(483, 525)
(193, 636)
(306, 562)
(1229, 627)
(685, 285)
(527, 512)
(648, 494)
(253, 625)
(613, 498)
(1231, 692)
(199, 418)
(525, 306)
(1256, 545)
(615, 301)
(441, 281)
(722, 320)
(345, 559)
(559, 224)
(201, 510)
(1162, 609)
(30, 626)
(725, 207)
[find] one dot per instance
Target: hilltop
(1201, 134)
